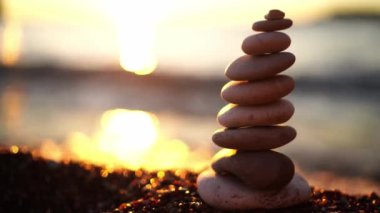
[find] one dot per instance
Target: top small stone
(274, 15)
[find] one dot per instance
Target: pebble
(257, 92)
(251, 68)
(274, 15)
(257, 170)
(263, 43)
(233, 116)
(254, 138)
(226, 192)
(273, 25)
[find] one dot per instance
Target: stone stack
(248, 174)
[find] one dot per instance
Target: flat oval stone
(234, 116)
(252, 68)
(254, 138)
(263, 43)
(258, 170)
(273, 25)
(225, 192)
(274, 15)
(257, 92)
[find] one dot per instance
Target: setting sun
(128, 135)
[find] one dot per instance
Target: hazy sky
(189, 34)
(196, 11)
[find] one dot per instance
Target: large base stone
(226, 192)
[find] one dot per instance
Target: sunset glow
(11, 43)
(140, 34)
(128, 135)
(127, 139)
(136, 25)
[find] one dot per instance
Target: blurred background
(136, 83)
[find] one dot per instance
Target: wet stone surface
(36, 185)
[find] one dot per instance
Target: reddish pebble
(273, 25)
(254, 138)
(234, 116)
(263, 43)
(274, 15)
(258, 170)
(257, 92)
(252, 68)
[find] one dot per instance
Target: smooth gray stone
(254, 138)
(250, 68)
(272, 25)
(234, 116)
(263, 43)
(274, 15)
(258, 92)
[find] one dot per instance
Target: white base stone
(228, 193)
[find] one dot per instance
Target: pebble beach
(38, 185)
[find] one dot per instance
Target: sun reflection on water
(128, 135)
(136, 23)
(11, 43)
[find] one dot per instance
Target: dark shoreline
(360, 86)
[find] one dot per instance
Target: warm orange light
(11, 44)
(12, 107)
(14, 149)
(51, 150)
(167, 154)
(127, 135)
(124, 140)
(136, 49)
(128, 139)
(136, 23)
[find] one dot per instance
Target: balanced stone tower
(248, 174)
